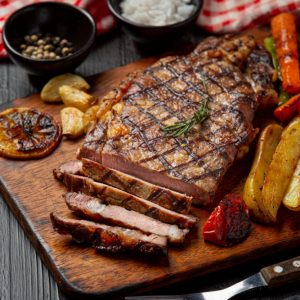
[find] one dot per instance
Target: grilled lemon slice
(27, 133)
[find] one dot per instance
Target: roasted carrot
(287, 110)
(285, 38)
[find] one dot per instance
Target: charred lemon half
(27, 133)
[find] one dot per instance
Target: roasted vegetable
(281, 169)
(270, 47)
(288, 110)
(72, 122)
(285, 38)
(90, 118)
(283, 96)
(50, 92)
(75, 98)
(292, 197)
(229, 223)
(252, 194)
(27, 133)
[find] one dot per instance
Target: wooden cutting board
(32, 193)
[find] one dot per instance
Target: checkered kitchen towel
(217, 16)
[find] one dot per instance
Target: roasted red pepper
(229, 223)
(287, 110)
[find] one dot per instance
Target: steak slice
(110, 238)
(113, 196)
(71, 166)
(131, 139)
(135, 186)
(95, 210)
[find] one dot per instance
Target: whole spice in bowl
(39, 46)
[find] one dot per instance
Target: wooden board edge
(37, 242)
(71, 289)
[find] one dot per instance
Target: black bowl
(148, 34)
(66, 21)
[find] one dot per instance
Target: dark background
(22, 274)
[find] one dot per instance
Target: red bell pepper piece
(287, 110)
(229, 223)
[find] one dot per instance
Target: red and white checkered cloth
(217, 16)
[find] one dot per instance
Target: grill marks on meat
(110, 239)
(161, 196)
(170, 91)
(260, 73)
(113, 196)
(95, 210)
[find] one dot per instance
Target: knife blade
(271, 276)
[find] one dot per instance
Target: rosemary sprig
(183, 127)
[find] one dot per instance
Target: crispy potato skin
(252, 193)
(72, 122)
(291, 199)
(90, 118)
(50, 92)
(281, 169)
(75, 98)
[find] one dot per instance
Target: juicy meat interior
(109, 239)
(129, 136)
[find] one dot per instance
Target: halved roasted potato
(27, 133)
(281, 169)
(75, 98)
(50, 92)
(292, 197)
(72, 122)
(90, 118)
(252, 194)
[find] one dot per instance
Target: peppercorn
(47, 46)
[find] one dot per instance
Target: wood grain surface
(27, 278)
(32, 193)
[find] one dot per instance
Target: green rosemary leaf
(183, 127)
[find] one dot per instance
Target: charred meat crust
(166, 198)
(71, 166)
(110, 239)
(170, 91)
(94, 209)
(113, 196)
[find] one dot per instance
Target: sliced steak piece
(135, 186)
(113, 196)
(95, 210)
(171, 90)
(109, 238)
(71, 166)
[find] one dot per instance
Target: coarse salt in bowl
(155, 20)
(157, 12)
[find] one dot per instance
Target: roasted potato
(90, 118)
(292, 197)
(252, 194)
(75, 98)
(50, 92)
(72, 122)
(281, 169)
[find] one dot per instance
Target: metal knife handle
(282, 273)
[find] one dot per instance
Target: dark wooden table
(22, 274)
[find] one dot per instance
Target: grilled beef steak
(95, 210)
(72, 166)
(130, 137)
(108, 238)
(260, 73)
(113, 196)
(135, 186)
